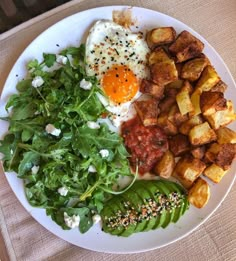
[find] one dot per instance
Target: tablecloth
(215, 240)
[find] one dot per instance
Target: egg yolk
(120, 84)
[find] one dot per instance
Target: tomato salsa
(146, 144)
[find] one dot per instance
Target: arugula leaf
(49, 59)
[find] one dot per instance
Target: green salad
(69, 163)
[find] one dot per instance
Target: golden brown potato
(157, 56)
(226, 155)
(211, 102)
(168, 127)
(209, 78)
(163, 73)
(222, 118)
(202, 134)
(179, 144)
(195, 99)
(186, 46)
(192, 69)
(225, 135)
(212, 151)
(219, 87)
(184, 101)
(151, 88)
(187, 125)
(175, 85)
(187, 170)
(199, 194)
(159, 36)
(198, 152)
(214, 173)
(165, 166)
(147, 111)
(175, 116)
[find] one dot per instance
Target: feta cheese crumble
(35, 169)
(37, 81)
(86, 85)
(62, 191)
(51, 129)
(104, 153)
(92, 169)
(61, 59)
(96, 219)
(71, 222)
(93, 125)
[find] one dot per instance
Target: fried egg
(117, 57)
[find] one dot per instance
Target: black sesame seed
(117, 75)
(57, 45)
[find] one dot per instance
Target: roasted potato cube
(163, 73)
(198, 152)
(175, 116)
(199, 194)
(223, 117)
(212, 151)
(179, 144)
(157, 56)
(226, 155)
(165, 165)
(219, 87)
(151, 88)
(147, 111)
(184, 101)
(225, 135)
(210, 102)
(202, 134)
(166, 103)
(175, 85)
(186, 46)
(159, 36)
(192, 69)
(168, 127)
(187, 170)
(187, 125)
(214, 173)
(195, 99)
(209, 78)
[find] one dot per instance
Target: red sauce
(145, 144)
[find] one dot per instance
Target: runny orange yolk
(120, 84)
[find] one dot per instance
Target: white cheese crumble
(93, 125)
(35, 169)
(96, 219)
(92, 169)
(11, 151)
(37, 81)
(61, 59)
(86, 85)
(71, 222)
(51, 129)
(62, 191)
(104, 153)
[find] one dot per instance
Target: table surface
(22, 238)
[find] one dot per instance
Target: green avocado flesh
(147, 205)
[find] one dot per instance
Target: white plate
(71, 31)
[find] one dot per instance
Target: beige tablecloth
(25, 239)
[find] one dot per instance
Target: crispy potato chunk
(157, 56)
(187, 125)
(222, 118)
(183, 99)
(179, 144)
(214, 173)
(209, 78)
(225, 135)
(211, 153)
(186, 46)
(168, 127)
(147, 111)
(159, 36)
(192, 69)
(163, 73)
(219, 87)
(202, 134)
(175, 85)
(187, 170)
(165, 166)
(175, 116)
(195, 99)
(198, 152)
(199, 194)
(151, 88)
(211, 102)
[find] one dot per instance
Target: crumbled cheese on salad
(61, 59)
(92, 169)
(35, 169)
(63, 191)
(86, 85)
(51, 129)
(93, 125)
(104, 153)
(37, 81)
(71, 222)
